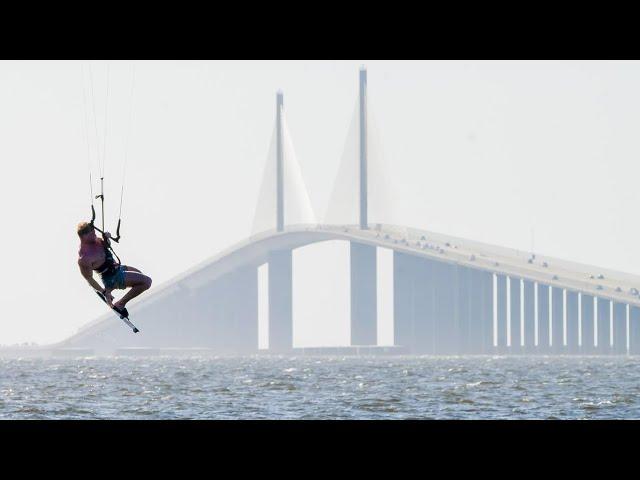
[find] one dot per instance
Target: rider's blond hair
(84, 228)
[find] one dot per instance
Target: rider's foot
(118, 307)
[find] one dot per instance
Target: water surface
(264, 387)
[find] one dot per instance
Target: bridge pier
(480, 312)
(440, 308)
(446, 325)
(634, 330)
(463, 275)
(514, 297)
(487, 311)
(604, 327)
(413, 303)
(247, 309)
(363, 294)
(619, 328)
(423, 309)
(529, 316)
(557, 320)
(501, 306)
(475, 342)
(195, 323)
(280, 301)
(237, 299)
(572, 322)
(221, 314)
(587, 325)
(403, 301)
(543, 319)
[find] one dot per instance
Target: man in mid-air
(94, 254)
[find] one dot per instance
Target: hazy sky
(484, 150)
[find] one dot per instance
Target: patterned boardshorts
(115, 280)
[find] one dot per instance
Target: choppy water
(321, 388)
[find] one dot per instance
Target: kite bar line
(102, 161)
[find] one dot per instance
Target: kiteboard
(124, 318)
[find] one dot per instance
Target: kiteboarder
(95, 254)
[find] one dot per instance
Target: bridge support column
(463, 275)
(446, 327)
(619, 328)
(413, 303)
(423, 306)
(501, 297)
(634, 330)
(363, 294)
(529, 316)
(280, 301)
(572, 322)
(243, 299)
(475, 342)
(480, 319)
(199, 325)
(557, 320)
(587, 321)
(441, 308)
(604, 326)
(230, 310)
(403, 316)
(514, 297)
(487, 312)
(543, 319)
(241, 308)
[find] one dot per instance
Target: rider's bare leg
(129, 268)
(138, 283)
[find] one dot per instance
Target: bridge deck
(548, 270)
(504, 261)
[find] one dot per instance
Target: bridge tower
(363, 149)
(280, 262)
(363, 258)
(279, 164)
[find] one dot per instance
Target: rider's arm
(87, 273)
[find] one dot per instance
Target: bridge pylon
(283, 198)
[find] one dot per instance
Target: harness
(109, 266)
